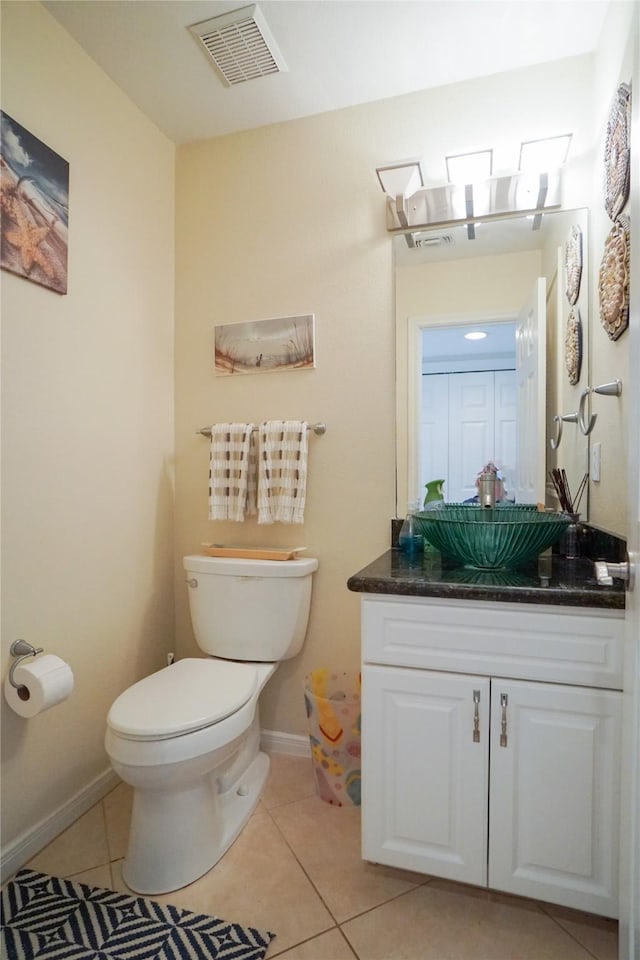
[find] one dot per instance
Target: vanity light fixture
(469, 167)
(546, 154)
(400, 179)
(475, 335)
(414, 209)
(538, 156)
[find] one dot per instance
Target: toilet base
(178, 835)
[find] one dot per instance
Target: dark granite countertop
(550, 579)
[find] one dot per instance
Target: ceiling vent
(434, 241)
(240, 45)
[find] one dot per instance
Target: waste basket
(332, 702)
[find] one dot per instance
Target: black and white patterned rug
(47, 918)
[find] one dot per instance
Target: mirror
(461, 403)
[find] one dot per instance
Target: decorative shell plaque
(573, 263)
(573, 346)
(613, 280)
(617, 153)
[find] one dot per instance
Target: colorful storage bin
(332, 701)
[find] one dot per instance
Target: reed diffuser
(570, 541)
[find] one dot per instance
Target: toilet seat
(189, 695)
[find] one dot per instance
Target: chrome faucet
(487, 490)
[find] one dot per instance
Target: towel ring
(586, 426)
(554, 442)
(612, 389)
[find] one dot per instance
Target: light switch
(596, 451)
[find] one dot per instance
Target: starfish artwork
(34, 203)
(27, 238)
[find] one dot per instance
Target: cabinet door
(424, 776)
(554, 793)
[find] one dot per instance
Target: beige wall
(289, 219)
(87, 421)
(266, 228)
(563, 397)
(609, 360)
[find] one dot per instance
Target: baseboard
(20, 851)
(292, 744)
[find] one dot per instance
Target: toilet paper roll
(42, 683)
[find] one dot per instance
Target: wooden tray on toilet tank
(252, 553)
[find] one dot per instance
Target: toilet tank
(249, 609)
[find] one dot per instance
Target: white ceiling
(449, 344)
(338, 52)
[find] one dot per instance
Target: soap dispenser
(410, 539)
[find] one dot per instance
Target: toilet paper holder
(22, 650)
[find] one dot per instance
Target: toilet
(187, 738)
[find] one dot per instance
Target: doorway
(468, 405)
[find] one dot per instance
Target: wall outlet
(596, 456)
(170, 659)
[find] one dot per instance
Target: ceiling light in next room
(475, 335)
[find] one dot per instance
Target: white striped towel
(232, 471)
(282, 471)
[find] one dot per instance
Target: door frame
(531, 387)
(629, 936)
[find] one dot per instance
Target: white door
(505, 443)
(629, 938)
(531, 351)
(424, 776)
(466, 420)
(471, 431)
(554, 797)
(434, 431)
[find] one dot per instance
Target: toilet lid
(187, 696)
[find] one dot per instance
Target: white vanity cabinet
(490, 745)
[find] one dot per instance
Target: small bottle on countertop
(410, 539)
(570, 541)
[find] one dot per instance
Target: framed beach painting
(34, 204)
(265, 346)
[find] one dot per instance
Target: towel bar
(318, 429)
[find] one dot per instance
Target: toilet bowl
(187, 737)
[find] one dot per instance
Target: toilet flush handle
(192, 582)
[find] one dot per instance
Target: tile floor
(296, 870)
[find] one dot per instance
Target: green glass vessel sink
(495, 538)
